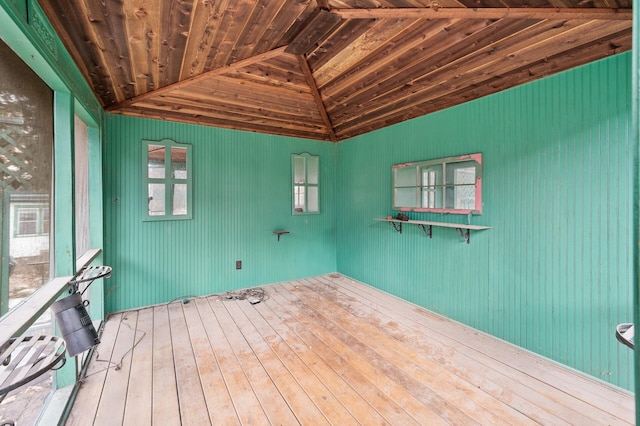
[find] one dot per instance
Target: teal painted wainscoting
(242, 193)
(554, 274)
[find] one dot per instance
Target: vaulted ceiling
(324, 69)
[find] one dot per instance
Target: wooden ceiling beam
(239, 123)
(316, 96)
(204, 76)
(561, 13)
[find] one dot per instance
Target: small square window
(31, 220)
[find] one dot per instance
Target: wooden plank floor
(325, 350)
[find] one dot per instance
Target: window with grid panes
(167, 180)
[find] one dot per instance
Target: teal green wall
(242, 193)
(554, 275)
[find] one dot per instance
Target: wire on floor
(117, 365)
(253, 295)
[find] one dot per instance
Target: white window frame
(169, 181)
(414, 190)
(40, 211)
(302, 187)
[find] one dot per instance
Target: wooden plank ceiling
(324, 69)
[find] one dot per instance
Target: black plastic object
(75, 324)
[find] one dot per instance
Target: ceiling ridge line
(217, 71)
(317, 97)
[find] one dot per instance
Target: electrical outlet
(238, 264)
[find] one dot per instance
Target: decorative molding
(43, 31)
(46, 41)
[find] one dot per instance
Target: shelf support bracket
(427, 229)
(465, 234)
(279, 233)
(397, 227)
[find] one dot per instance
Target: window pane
(26, 154)
(312, 200)
(26, 166)
(461, 197)
(298, 198)
(461, 173)
(432, 198)
(463, 177)
(449, 197)
(156, 199)
(27, 222)
(298, 170)
(45, 221)
(156, 161)
(27, 228)
(28, 215)
(432, 175)
(405, 176)
(81, 176)
(179, 205)
(178, 163)
(405, 197)
(432, 187)
(465, 197)
(312, 170)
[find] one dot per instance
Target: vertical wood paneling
(634, 153)
(241, 195)
(554, 273)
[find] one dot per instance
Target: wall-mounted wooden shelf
(427, 227)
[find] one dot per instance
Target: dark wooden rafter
(316, 96)
(487, 13)
(200, 77)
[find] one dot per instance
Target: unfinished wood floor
(325, 351)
